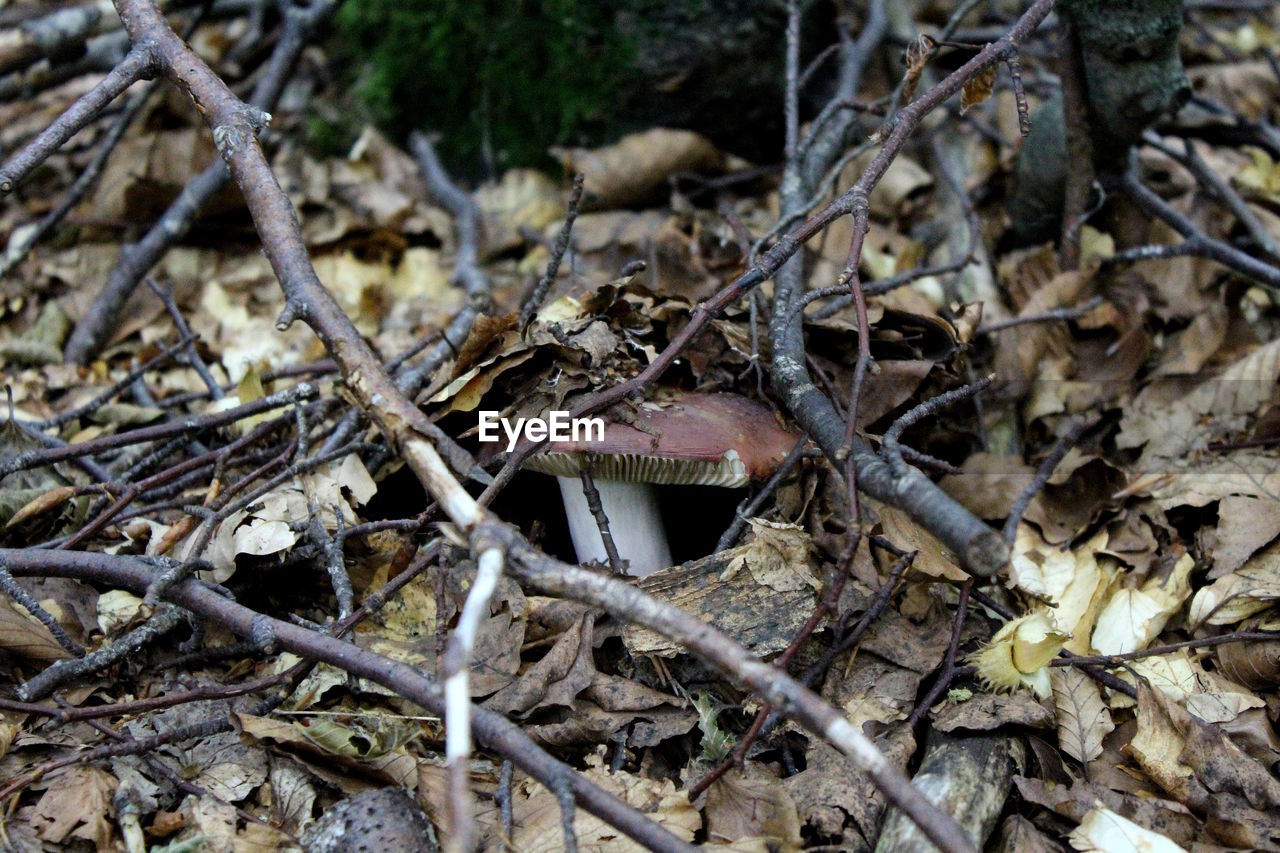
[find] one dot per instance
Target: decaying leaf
(1196, 764)
(1083, 719)
(77, 805)
(743, 806)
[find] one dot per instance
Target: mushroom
(691, 439)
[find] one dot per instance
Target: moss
(500, 80)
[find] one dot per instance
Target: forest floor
(1113, 688)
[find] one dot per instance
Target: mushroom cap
(689, 439)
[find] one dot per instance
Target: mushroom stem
(634, 522)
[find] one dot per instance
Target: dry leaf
(1254, 664)
(742, 805)
(21, 634)
(635, 167)
(1104, 831)
(978, 88)
(52, 499)
(77, 804)
(1132, 618)
(1083, 719)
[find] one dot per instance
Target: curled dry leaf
(1250, 589)
(51, 499)
(978, 89)
(1255, 663)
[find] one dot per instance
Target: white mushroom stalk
(635, 523)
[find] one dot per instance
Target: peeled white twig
(455, 673)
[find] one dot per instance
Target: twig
(534, 300)
(119, 385)
(1043, 473)
(138, 64)
(592, 495)
(949, 670)
(165, 295)
(334, 561)
(51, 677)
(183, 426)
(766, 717)
(624, 601)
(136, 260)
(1196, 241)
(932, 406)
(1220, 188)
(84, 182)
(1051, 316)
(455, 668)
(1079, 172)
(503, 796)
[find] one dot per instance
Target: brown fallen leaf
(635, 167)
(1196, 764)
(751, 804)
(21, 634)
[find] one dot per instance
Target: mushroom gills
(634, 522)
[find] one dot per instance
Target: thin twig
(1043, 473)
(592, 495)
(534, 300)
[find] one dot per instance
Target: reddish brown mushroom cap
(689, 439)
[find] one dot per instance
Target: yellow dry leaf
(117, 609)
(1074, 582)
